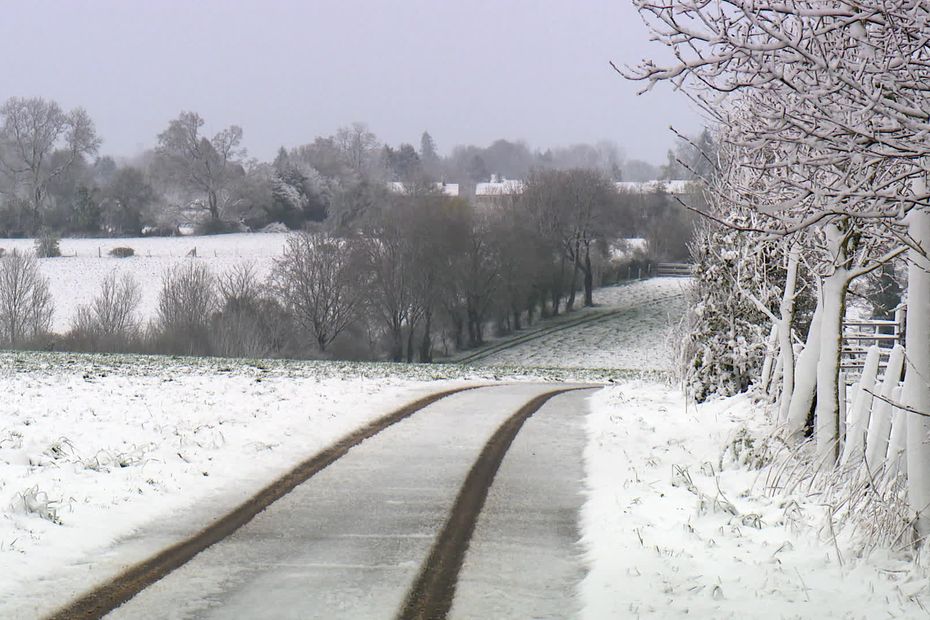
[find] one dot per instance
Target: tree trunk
(397, 343)
(458, 328)
(805, 379)
(861, 409)
(786, 348)
(896, 457)
(37, 208)
(827, 414)
(474, 328)
(876, 441)
(426, 344)
(558, 287)
(916, 391)
(588, 278)
(213, 205)
(570, 304)
(767, 379)
(411, 334)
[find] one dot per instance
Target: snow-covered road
(349, 542)
(626, 331)
(524, 560)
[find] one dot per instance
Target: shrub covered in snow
(725, 340)
(47, 245)
(122, 252)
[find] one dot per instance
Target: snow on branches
(821, 109)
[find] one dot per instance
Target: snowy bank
(677, 523)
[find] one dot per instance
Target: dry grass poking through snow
(675, 525)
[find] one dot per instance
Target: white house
(502, 187)
(677, 187)
(447, 189)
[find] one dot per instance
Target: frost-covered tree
(207, 167)
(840, 88)
(358, 146)
(40, 142)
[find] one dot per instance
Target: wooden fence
(860, 334)
(674, 270)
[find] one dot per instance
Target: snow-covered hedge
(725, 334)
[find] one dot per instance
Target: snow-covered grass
(678, 522)
(75, 277)
(92, 448)
(631, 339)
(95, 448)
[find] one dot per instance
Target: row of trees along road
(406, 275)
(53, 174)
(421, 269)
(821, 119)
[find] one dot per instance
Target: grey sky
(469, 71)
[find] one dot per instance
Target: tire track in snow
(113, 593)
(431, 595)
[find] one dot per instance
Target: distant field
(632, 335)
(75, 277)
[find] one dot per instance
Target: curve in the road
(492, 349)
(432, 593)
(110, 595)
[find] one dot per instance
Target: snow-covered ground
(631, 337)
(675, 525)
(75, 277)
(92, 449)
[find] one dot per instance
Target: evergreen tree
(429, 158)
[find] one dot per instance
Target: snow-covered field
(92, 448)
(75, 277)
(677, 526)
(632, 339)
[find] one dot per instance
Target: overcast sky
(468, 71)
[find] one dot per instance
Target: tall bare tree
(40, 142)
(317, 280)
(204, 166)
(25, 302)
(358, 146)
(575, 209)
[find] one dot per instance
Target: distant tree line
(54, 177)
(401, 276)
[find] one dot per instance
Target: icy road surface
(349, 542)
